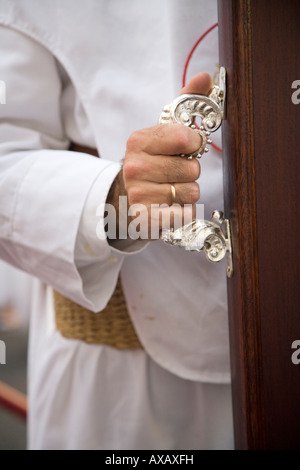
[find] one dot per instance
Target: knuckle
(182, 138)
(128, 170)
(134, 141)
(192, 169)
(132, 169)
(187, 139)
(189, 194)
(135, 195)
(194, 193)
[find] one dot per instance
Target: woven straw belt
(112, 326)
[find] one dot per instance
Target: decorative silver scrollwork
(185, 109)
(201, 235)
(206, 236)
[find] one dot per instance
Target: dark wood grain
(240, 207)
(261, 142)
(276, 59)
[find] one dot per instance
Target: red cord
(188, 61)
(13, 400)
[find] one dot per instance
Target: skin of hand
(152, 163)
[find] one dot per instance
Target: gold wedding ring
(173, 193)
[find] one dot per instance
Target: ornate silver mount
(210, 109)
(202, 235)
(206, 236)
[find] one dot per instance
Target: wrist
(116, 191)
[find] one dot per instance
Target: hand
(152, 163)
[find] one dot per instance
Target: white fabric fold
(92, 74)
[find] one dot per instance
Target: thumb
(200, 84)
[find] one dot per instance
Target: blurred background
(15, 300)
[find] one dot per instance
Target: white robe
(92, 72)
